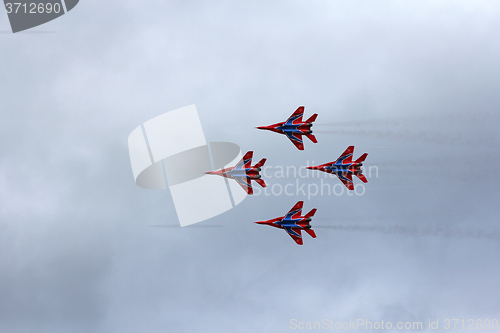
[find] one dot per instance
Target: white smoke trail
(453, 129)
(443, 121)
(417, 231)
(186, 227)
(425, 136)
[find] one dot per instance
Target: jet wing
(246, 161)
(346, 156)
(245, 184)
(346, 178)
(296, 117)
(296, 139)
(295, 211)
(295, 234)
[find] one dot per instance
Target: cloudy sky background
(412, 83)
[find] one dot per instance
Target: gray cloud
(413, 84)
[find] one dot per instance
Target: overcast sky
(415, 84)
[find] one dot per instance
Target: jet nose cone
(310, 167)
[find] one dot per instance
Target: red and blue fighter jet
(344, 167)
(293, 222)
(243, 172)
(294, 128)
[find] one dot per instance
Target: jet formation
(294, 128)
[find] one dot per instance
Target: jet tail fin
(312, 118)
(311, 213)
(361, 158)
(310, 232)
(261, 182)
(312, 138)
(261, 163)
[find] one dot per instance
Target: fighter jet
(294, 128)
(293, 223)
(344, 167)
(243, 172)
